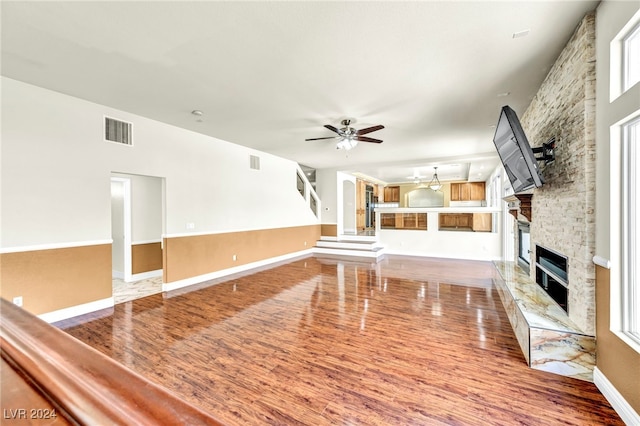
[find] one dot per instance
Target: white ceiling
(268, 74)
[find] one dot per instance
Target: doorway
(137, 226)
(369, 205)
(121, 228)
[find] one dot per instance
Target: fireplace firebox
(552, 275)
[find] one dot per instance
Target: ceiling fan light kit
(348, 137)
(346, 144)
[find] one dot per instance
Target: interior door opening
(137, 228)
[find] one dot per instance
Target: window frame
(630, 230)
(632, 35)
(313, 204)
(301, 185)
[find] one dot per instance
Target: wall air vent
(254, 162)
(118, 131)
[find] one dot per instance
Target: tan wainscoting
(191, 256)
(146, 257)
(53, 279)
(329, 230)
(614, 358)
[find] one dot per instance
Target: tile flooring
(124, 292)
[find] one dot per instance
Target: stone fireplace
(563, 209)
(548, 289)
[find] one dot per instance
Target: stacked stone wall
(563, 209)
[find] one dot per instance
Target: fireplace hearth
(552, 275)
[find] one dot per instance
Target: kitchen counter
(437, 210)
(471, 219)
(454, 232)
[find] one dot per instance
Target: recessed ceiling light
(503, 94)
(522, 33)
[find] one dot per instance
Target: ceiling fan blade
(366, 139)
(332, 128)
(369, 129)
(317, 139)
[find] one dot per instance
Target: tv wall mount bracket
(547, 151)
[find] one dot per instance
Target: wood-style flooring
(406, 341)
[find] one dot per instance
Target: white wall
(146, 209)
(327, 187)
(56, 171)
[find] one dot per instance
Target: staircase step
(363, 247)
(369, 254)
(353, 245)
(349, 237)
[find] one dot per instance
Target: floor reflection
(317, 341)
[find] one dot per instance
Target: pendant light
(435, 182)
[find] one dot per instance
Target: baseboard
(117, 274)
(230, 271)
(146, 275)
(617, 401)
(438, 255)
(74, 311)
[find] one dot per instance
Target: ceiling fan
(348, 137)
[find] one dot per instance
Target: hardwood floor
(407, 341)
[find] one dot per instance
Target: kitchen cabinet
(455, 221)
(478, 222)
(391, 194)
(482, 222)
(415, 221)
(387, 220)
(477, 191)
(468, 191)
(447, 220)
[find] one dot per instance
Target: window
(631, 58)
(313, 204)
(300, 184)
(631, 230)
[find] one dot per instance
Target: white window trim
(617, 64)
(618, 215)
(626, 84)
(629, 236)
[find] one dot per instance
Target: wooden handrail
(88, 386)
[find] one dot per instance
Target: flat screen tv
(516, 154)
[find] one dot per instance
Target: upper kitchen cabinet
(391, 194)
(468, 191)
